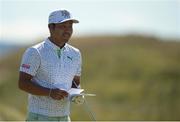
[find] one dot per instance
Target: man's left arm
(76, 79)
(76, 82)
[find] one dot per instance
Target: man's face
(63, 31)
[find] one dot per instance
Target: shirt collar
(54, 46)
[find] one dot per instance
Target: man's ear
(51, 27)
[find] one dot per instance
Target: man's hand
(58, 94)
(78, 99)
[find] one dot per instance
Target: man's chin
(66, 39)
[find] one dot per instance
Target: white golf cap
(61, 16)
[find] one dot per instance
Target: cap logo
(65, 14)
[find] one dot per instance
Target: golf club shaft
(87, 106)
(92, 116)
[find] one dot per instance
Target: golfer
(49, 69)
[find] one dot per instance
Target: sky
(24, 21)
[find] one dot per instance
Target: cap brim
(74, 20)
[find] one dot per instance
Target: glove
(78, 99)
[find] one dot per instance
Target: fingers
(63, 93)
(58, 94)
(78, 100)
(57, 97)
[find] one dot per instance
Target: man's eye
(61, 26)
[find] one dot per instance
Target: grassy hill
(134, 77)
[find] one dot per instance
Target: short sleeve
(78, 71)
(30, 61)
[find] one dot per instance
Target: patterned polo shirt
(51, 67)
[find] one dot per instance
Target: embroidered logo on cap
(65, 14)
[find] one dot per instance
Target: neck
(57, 42)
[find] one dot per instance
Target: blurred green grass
(134, 77)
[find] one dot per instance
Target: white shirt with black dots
(51, 70)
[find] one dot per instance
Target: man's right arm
(26, 84)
